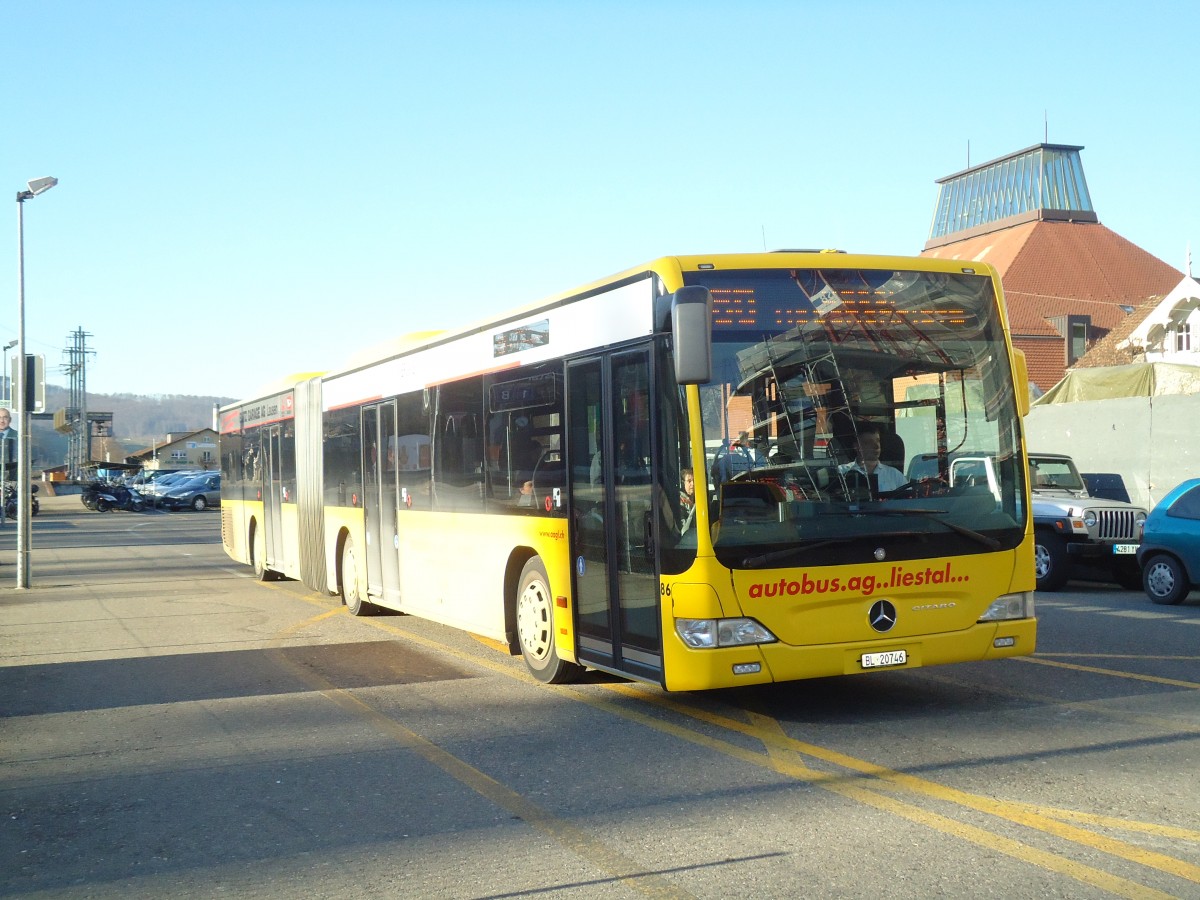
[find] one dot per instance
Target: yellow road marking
(1012, 812)
(619, 867)
(1070, 815)
(1041, 655)
(773, 736)
(1134, 676)
(774, 742)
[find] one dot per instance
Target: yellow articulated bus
(703, 472)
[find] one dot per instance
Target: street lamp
(37, 186)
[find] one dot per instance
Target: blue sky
(251, 189)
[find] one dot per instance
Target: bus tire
(535, 627)
(258, 554)
(1050, 561)
(352, 594)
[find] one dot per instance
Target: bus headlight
(704, 634)
(1010, 606)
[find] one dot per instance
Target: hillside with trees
(138, 420)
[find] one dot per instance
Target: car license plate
(886, 658)
(1124, 549)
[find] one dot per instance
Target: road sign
(35, 384)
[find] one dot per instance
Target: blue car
(1170, 551)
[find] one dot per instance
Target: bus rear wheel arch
(535, 627)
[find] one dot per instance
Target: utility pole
(79, 435)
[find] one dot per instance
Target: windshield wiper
(756, 562)
(764, 559)
(936, 515)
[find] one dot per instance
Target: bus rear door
(380, 501)
(272, 498)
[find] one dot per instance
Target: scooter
(90, 495)
(106, 497)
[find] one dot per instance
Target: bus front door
(380, 498)
(612, 553)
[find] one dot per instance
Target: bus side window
(413, 462)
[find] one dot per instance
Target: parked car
(198, 493)
(158, 484)
(1073, 528)
(1170, 550)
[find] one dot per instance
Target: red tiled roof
(1052, 268)
(1106, 352)
(999, 248)
(1078, 260)
(1030, 313)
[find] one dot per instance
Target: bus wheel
(535, 627)
(352, 594)
(258, 554)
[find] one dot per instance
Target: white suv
(1072, 528)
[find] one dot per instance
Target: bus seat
(549, 471)
(891, 449)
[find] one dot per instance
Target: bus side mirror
(691, 332)
(1021, 382)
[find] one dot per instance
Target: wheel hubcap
(533, 621)
(1160, 580)
(1041, 561)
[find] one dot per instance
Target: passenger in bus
(880, 476)
(687, 493)
(677, 519)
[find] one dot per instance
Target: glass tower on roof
(1044, 181)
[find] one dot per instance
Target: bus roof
(670, 269)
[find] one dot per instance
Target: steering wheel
(924, 487)
(858, 486)
(908, 489)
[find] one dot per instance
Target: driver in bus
(881, 476)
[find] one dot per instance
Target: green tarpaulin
(1155, 379)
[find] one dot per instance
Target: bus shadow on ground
(112, 683)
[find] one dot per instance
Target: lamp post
(37, 186)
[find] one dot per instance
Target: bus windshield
(856, 410)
